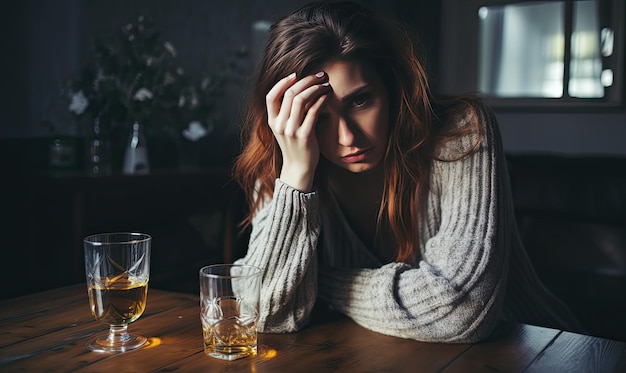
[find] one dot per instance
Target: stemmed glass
(117, 266)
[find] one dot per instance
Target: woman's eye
(360, 100)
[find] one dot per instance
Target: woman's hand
(292, 110)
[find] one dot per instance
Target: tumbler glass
(229, 309)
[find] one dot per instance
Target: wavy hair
(303, 42)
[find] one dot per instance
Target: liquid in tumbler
(229, 309)
(229, 328)
(118, 302)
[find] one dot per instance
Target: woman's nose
(345, 134)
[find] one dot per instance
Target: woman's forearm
(283, 243)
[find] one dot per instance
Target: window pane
(521, 49)
(585, 63)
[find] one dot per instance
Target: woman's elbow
(458, 326)
(474, 334)
(469, 327)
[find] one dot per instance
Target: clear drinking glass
(117, 266)
(229, 309)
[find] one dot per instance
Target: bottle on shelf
(136, 154)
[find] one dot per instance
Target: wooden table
(49, 331)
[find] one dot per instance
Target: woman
(371, 195)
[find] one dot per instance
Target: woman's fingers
(289, 100)
(311, 117)
(274, 96)
(301, 107)
(292, 109)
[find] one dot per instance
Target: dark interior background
(45, 43)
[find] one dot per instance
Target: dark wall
(13, 96)
(50, 40)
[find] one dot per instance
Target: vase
(136, 153)
(98, 151)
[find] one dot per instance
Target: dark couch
(571, 212)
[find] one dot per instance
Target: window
(559, 53)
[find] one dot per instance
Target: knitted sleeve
(455, 292)
(283, 243)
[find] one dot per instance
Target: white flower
(195, 131)
(170, 48)
(79, 103)
(143, 94)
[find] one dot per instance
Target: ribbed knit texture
(472, 271)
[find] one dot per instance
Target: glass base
(108, 344)
(230, 353)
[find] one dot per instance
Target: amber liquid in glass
(231, 336)
(118, 302)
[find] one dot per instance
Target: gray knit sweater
(472, 271)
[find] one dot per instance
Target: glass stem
(118, 334)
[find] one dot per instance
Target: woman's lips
(354, 157)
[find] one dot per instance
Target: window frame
(459, 58)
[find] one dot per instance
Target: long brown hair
(322, 31)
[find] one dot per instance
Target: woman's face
(353, 124)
